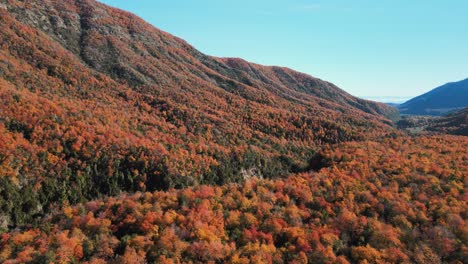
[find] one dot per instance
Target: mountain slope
(118, 143)
(380, 202)
(443, 99)
(128, 49)
(95, 102)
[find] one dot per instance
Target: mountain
(95, 101)
(129, 50)
(120, 143)
(443, 99)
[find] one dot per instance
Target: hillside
(97, 102)
(441, 100)
(129, 50)
(397, 200)
(453, 123)
(120, 143)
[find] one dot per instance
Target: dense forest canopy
(121, 143)
(97, 102)
(397, 200)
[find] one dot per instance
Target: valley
(121, 143)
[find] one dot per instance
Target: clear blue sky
(369, 48)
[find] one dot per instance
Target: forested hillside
(397, 200)
(454, 123)
(95, 102)
(120, 143)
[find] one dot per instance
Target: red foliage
(367, 206)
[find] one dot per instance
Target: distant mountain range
(389, 100)
(439, 101)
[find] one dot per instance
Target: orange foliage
(353, 213)
(106, 115)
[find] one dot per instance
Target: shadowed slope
(439, 101)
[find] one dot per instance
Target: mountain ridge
(133, 72)
(122, 144)
(105, 103)
(438, 101)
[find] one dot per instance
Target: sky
(374, 49)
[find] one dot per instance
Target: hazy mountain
(443, 99)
